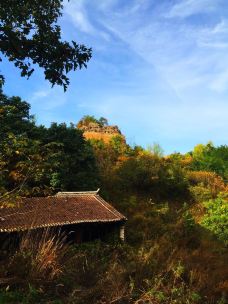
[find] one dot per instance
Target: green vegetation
(210, 158)
(176, 205)
(35, 160)
(216, 217)
(87, 120)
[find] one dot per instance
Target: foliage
(199, 193)
(12, 297)
(30, 35)
(77, 168)
(118, 144)
(156, 149)
(27, 165)
(216, 217)
(208, 182)
(14, 115)
(88, 119)
(169, 256)
(35, 160)
(158, 271)
(188, 220)
(62, 163)
(149, 173)
(210, 158)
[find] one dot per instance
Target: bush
(200, 193)
(149, 174)
(210, 181)
(216, 217)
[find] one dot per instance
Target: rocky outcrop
(93, 127)
(96, 131)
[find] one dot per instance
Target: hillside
(177, 210)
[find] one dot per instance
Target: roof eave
(21, 229)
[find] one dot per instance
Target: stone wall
(93, 127)
(96, 131)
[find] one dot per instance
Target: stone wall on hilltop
(96, 131)
(93, 127)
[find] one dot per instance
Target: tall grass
(179, 264)
(38, 257)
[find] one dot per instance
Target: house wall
(92, 231)
(76, 233)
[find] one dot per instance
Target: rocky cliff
(96, 131)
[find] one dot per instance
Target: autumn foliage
(176, 205)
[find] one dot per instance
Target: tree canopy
(210, 158)
(38, 160)
(30, 35)
(14, 115)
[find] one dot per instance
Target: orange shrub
(210, 180)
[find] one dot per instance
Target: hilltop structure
(97, 129)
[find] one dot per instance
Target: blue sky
(159, 71)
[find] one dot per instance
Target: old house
(83, 216)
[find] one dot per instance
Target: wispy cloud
(48, 98)
(180, 51)
(215, 36)
(186, 8)
(77, 12)
(158, 70)
(221, 27)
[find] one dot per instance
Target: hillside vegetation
(176, 205)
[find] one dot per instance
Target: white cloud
(105, 5)
(77, 12)
(221, 27)
(190, 57)
(48, 98)
(186, 8)
(40, 94)
(80, 17)
(187, 55)
(214, 37)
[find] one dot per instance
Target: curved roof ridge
(72, 193)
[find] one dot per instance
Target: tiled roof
(62, 209)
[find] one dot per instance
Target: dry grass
(38, 258)
(175, 266)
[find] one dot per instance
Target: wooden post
(122, 232)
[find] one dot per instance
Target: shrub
(188, 221)
(209, 180)
(200, 193)
(216, 217)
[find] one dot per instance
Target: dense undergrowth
(176, 234)
(171, 259)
